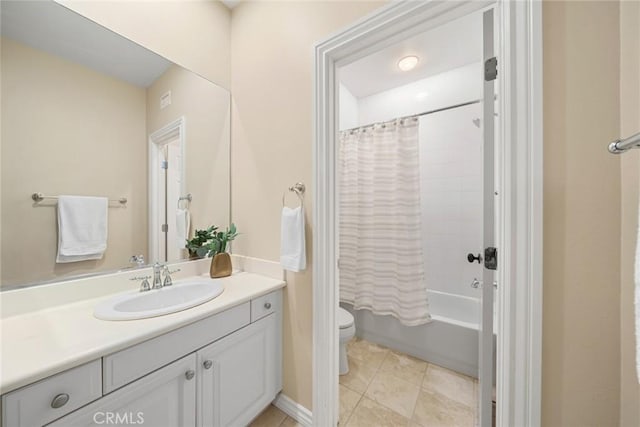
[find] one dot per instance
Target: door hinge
(164, 164)
(490, 69)
(491, 258)
(165, 228)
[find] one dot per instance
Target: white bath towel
(183, 222)
(82, 228)
(292, 241)
(637, 299)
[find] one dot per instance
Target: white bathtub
(449, 340)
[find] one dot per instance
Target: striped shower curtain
(381, 260)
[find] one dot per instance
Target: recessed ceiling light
(422, 95)
(408, 63)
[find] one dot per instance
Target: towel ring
(187, 198)
(299, 189)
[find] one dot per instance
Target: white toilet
(347, 331)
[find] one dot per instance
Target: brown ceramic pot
(220, 265)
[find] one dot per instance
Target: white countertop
(38, 344)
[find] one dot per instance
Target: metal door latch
(491, 69)
(477, 284)
(491, 258)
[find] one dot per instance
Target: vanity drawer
(265, 305)
(134, 362)
(53, 397)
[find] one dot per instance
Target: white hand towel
(82, 228)
(637, 299)
(183, 222)
(292, 241)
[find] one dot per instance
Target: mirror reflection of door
(170, 182)
(169, 194)
(166, 186)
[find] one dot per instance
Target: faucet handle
(167, 271)
(140, 278)
(167, 277)
(144, 286)
(167, 281)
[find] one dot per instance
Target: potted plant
(217, 248)
(198, 244)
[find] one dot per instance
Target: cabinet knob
(190, 374)
(267, 305)
(60, 400)
(207, 364)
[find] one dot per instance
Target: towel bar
(622, 145)
(38, 197)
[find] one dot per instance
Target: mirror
(87, 112)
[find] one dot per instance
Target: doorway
(518, 168)
(167, 185)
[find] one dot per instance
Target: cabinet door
(240, 374)
(166, 397)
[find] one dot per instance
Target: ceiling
(444, 48)
(51, 27)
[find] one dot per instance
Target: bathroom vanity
(217, 364)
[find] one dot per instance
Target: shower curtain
(381, 264)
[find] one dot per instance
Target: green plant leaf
(201, 251)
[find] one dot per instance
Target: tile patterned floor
(273, 417)
(388, 388)
(394, 389)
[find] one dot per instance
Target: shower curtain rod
(437, 110)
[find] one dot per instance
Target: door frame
(176, 129)
(518, 180)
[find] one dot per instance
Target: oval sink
(140, 305)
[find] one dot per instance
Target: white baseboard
(293, 409)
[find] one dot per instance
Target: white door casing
(519, 181)
(485, 341)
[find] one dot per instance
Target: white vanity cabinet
(239, 375)
(166, 397)
(53, 397)
(219, 371)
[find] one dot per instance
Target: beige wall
(272, 143)
(207, 113)
(630, 161)
(272, 149)
(67, 129)
(581, 307)
(271, 86)
(193, 34)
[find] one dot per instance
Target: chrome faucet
(157, 280)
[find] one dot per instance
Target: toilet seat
(345, 319)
